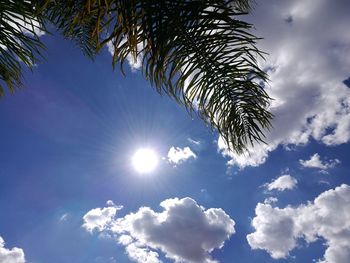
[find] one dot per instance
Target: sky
(77, 142)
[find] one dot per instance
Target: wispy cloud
(195, 142)
(271, 200)
(64, 217)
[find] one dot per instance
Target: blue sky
(69, 191)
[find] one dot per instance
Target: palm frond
(19, 41)
(197, 51)
(75, 20)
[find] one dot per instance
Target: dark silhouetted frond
(19, 41)
(199, 52)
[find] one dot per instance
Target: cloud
(327, 217)
(307, 67)
(194, 142)
(100, 218)
(315, 162)
(184, 231)
(284, 182)
(111, 203)
(255, 155)
(25, 24)
(176, 155)
(14, 255)
(134, 64)
(64, 217)
(271, 200)
(139, 253)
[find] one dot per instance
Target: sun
(145, 160)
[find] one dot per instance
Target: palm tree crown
(19, 41)
(197, 51)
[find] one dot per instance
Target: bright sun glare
(144, 160)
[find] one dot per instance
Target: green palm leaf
(197, 51)
(19, 41)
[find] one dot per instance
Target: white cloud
(328, 217)
(284, 182)
(184, 231)
(307, 67)
(111, 203)
(14, 255)
(195, 142)
(253, 157)
(141, 254)
(64, 217)
(26, 25)
(316, 162)
(100, 218)
(137, 251)
(32, 26)
(271, 200)
(134, 64)
(274, 230)
(176, 155)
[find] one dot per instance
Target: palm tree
(19, 41)
(197, 51)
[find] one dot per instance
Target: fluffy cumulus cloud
(316, 162)
(184, 231)
(307, 69)
(100, 218)
(14, 255)
(328, 218)
(139, 253)
(177, 155)
(284, 182)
